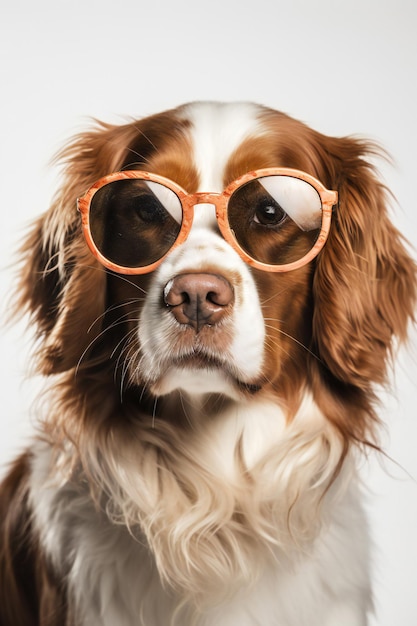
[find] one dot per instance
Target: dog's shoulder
(29, 593)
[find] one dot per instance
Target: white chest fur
(263, 473)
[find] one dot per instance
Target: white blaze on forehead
(217, 131)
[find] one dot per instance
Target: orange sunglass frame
(220, 201)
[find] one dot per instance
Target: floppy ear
(365, 281)
(61, 284)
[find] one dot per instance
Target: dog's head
(205, 316)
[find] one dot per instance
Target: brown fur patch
(29, 592)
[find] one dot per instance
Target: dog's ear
(365, 281)
(61, 285)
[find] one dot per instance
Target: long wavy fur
(147, 473)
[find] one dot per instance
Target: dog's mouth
(198, 372)
(199, 359)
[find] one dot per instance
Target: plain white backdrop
(343, 67)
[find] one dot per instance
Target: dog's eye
(269, 213)
(149, 209)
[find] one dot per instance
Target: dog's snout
(199, 299)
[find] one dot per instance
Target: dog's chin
(195, 382)
(197, 377)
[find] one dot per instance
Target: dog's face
(205, 321)
(208, 322)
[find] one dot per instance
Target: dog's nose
(198, 299)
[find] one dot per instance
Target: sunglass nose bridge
(203, 197)
(204, 207)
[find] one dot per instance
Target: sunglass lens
(275, 219)
(134, 222)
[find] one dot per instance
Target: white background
(342, 67)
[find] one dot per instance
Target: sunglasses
(277, 219)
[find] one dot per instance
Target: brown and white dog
(196, 462)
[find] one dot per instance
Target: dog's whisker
(128, 358)
(145, 136)
(131, 150)
(124, 340)
(275, 296)
(112, 308)
(294, 339)
(124, 319)
(115, 275)
(123, 278)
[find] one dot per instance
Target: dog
(217, 292)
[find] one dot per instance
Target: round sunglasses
(277, 219)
